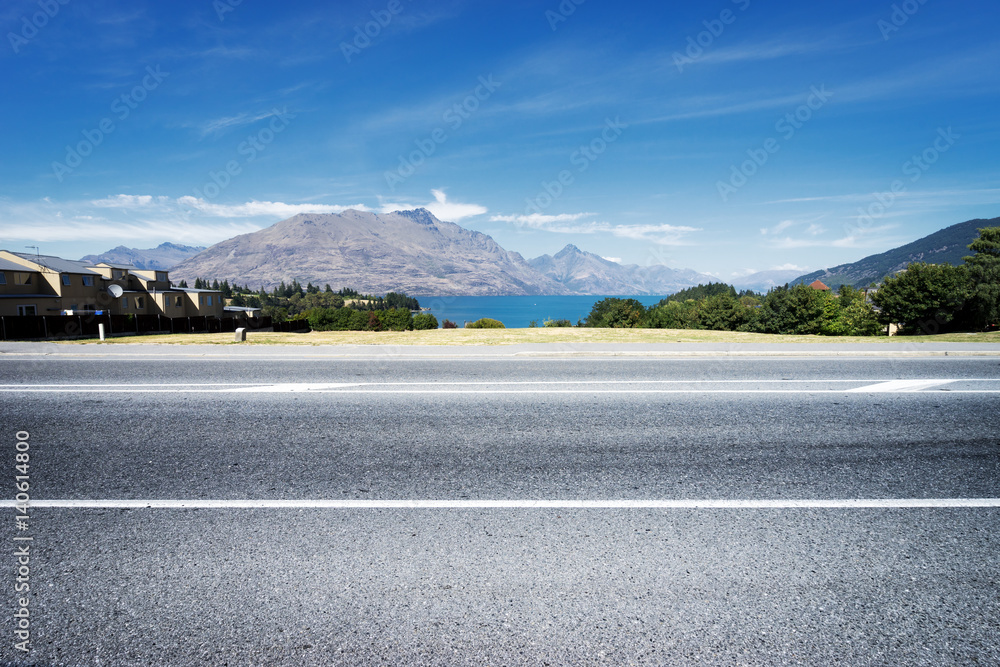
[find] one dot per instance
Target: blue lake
(516, 311)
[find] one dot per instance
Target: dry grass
(522, 336)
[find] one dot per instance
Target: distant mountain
(947, 246)
(586, 273)
(763, 281)
(405, 251)
(161, 258)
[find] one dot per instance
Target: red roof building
(816, 284)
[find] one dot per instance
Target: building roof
(57, 263)
(7, 265)
(817, 284)
(127, 267)
(242, 309)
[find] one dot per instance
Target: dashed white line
(901, 385)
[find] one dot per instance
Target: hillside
(161, 258)
(586, 273)
(405, 251)
(947, 246)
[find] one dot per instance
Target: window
(201, 300)
(161, 276)
(210, 299)
(117, 273)
(22, 278)
(124, 303)
(88, 281)
(139, 303)
(3, 278)
(27, 310)
(178, 302)
(65, 279)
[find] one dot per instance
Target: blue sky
(725, 136)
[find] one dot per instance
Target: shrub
(448, 324)
(485, 323)
(558, 323)
(424, 321)
(617, 313)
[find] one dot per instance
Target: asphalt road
(542, 580)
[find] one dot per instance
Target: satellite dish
(115, 290)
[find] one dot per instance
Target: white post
(100, 330)
(241, 335)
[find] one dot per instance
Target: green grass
(521, 336)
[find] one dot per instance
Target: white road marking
(519, 387)
(901, 385)
(847, 503)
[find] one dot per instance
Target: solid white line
(848, 503)
(485, 392)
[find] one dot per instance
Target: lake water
(516, 311)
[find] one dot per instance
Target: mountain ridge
(161, 258)
(945, 246)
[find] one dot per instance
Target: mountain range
(586, 273)
(415, 253)
(947, 246)
(161, 258)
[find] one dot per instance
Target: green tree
(924, 297)
(794, 310)
(723, 312)
(396, 319)
(616, 313)
(424, 321)
(675, 315)
(984, 276)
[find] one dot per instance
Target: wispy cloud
(228, 122)
(253, 209)
(573, 223)
(539, 220)
(778, 228)
(441, 208)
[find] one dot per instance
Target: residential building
(47, 285)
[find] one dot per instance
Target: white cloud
(778, 228)
(659, 234)
(743, 273)
(571, 223)
(440, 208)
(129, 201)
(255, 208)
(789, 267)
(226, 122)
(538, 220)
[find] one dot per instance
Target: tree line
(296, 301)
(924, 298)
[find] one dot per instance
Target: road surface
(313, 509)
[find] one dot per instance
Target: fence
(55, 327)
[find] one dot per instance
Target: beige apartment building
(48, 285)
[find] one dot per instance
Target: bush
(617, 313)
(424, 321)
(448, 324)
(558, 323)
(485, 323)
